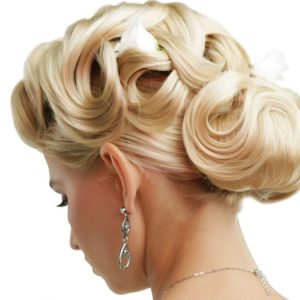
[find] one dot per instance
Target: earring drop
(124, 255)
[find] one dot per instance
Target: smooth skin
(170, 237)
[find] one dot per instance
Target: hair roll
(244, 134)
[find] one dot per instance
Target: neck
(192, 240)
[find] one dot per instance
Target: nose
(73, 242)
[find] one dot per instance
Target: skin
(170, 237)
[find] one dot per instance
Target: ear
(129, 176)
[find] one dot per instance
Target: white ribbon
(271, 67)
(137, 37)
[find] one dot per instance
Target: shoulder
(237, 288)
(226, 295)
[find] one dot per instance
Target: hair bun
(244, 134)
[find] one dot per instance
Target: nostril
(75, 247)
(73, 243)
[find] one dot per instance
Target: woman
(153, 120)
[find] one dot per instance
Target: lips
(89, 262)
(94, 271)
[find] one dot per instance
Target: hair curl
(194, 111)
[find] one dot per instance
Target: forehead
(59, 171)
(56, 168)
(53, 163)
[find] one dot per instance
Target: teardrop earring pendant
(124, 255)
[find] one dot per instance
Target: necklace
(259, 274)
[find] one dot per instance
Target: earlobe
(128, 175)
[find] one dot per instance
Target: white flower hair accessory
(137, 37)
(271, 67)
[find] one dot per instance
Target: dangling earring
(124, 256)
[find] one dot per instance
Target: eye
(64, 201)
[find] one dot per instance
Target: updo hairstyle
(193, 111)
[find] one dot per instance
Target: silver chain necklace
(259, 274)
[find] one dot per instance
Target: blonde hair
(194, 111)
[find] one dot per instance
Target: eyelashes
(64, 201)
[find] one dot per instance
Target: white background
(36, 262)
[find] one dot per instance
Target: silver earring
(125, 255)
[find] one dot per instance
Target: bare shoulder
(221, 296)
(242, 287)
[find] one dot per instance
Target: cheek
(95, 218)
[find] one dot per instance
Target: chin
(123, 291)
(124, 288)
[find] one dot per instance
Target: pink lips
(86, 259)
(94, 271)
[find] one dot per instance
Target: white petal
(271, 67)
(136, 36)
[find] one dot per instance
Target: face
(94, 202)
